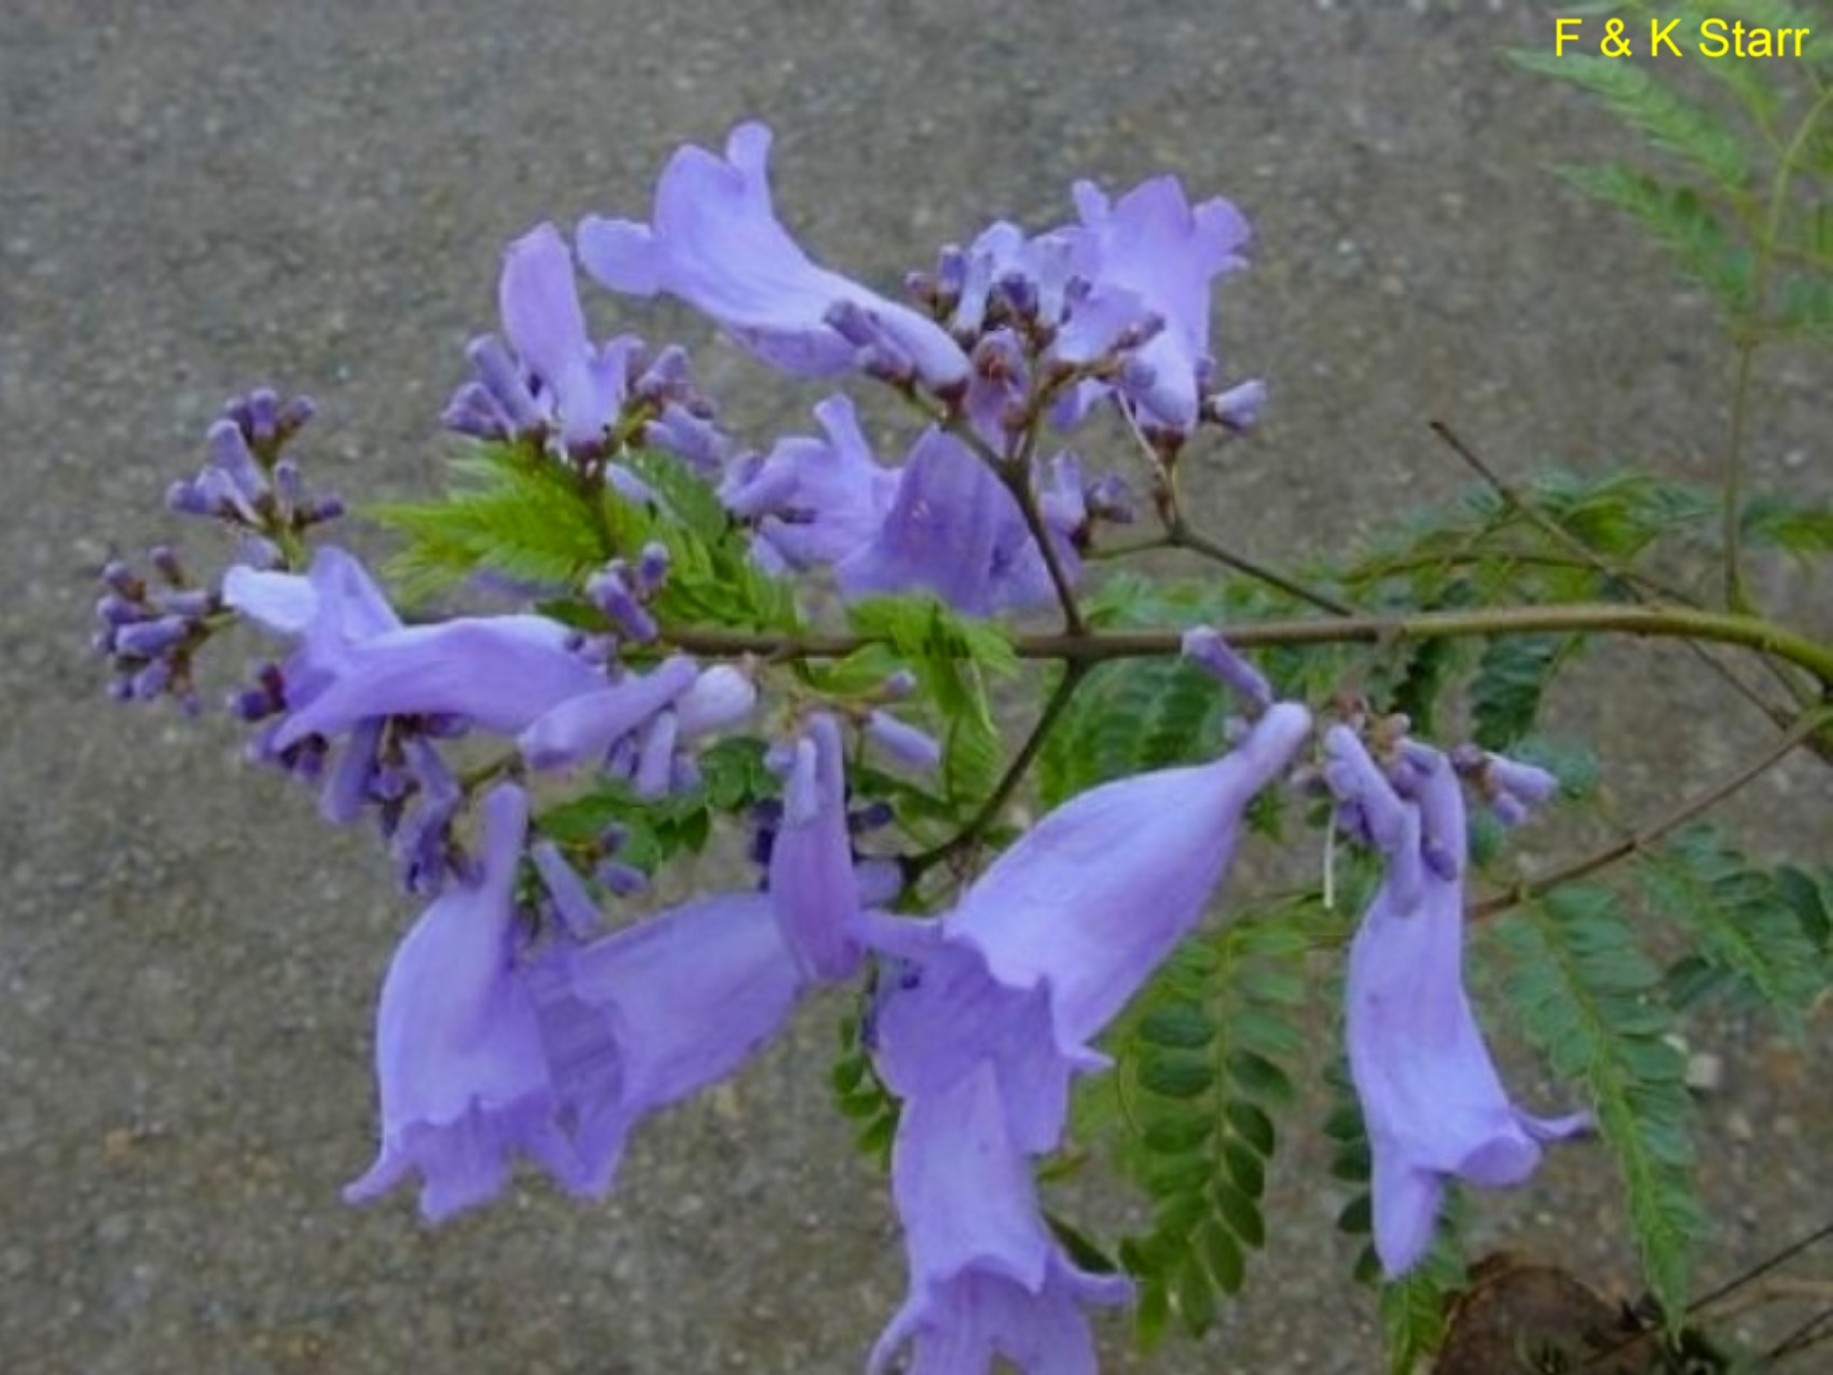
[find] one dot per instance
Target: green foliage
(732, 778)
(1134, 714)
(1131, 715)
(1810, 897)
(1414, 1307)
(1752, 943)
(1703, 245)
(511, 511)
(1729, 216)
(859, 1094)
(516, 511)
(951, 656)
(1511, 679)
(1590, 1001)
(1654, 109)
(1199, 1075)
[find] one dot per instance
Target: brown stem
(915, 866)
(1803, 727)
(1749, 632)
(1610, 572)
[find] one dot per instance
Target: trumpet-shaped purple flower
(1157, 248)
(483, 1050)
(953, 530)
(715, 241)
(687, 997)
(986, 1277)
(1064, 927)
(355, 660)
(1434, 1104)
(464, 1077)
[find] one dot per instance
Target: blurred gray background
(200, 195)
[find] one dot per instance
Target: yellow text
(1717, 38)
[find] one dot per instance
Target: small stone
(1705, 1072)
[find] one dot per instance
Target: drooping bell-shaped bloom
(464, 1076)
(955, 531)
(689, 996)
(714, 240)
(815, 501)
(1164, 252)
(812, 885)
(1433, 1102)
(987, 1279)
(1064, 927)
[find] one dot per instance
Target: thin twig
(1649, 835)
(1749, 339)
(915, 866)
(1513, 498)
(1181, 536)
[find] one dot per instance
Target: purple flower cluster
(512, 1024)
(1007, 330)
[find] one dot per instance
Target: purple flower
(464, 1077)
(814, 501)
(715, 241)
(986, 1277)
(1155, 246)
(1064, 927)
(955, 531)
(355, 661)
(688, 995)
(586, 725)
(1434, 1104)
(812, 886)
(581, 388)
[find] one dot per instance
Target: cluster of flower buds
(622, 592)
(150, 632)
(249, 483)
(1510, 787)
(549, 382)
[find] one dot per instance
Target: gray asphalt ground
(200, 195)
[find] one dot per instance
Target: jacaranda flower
(688, 996)
(812, 886)
(581, 386)
(1434, 1105)
(714, 241)
(813, 501)
(1064, 927)
(987, 1279)
(464, 1077)
(1153, 244)
(955, 531)
(354, 659)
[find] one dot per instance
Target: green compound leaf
(951, 656)
(1654, 109)
(1128, 716)
(1511, 679)
(512, 511)
(1751, 941)
(1590, 1001)
(1195, 1087)
(1675, 217)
